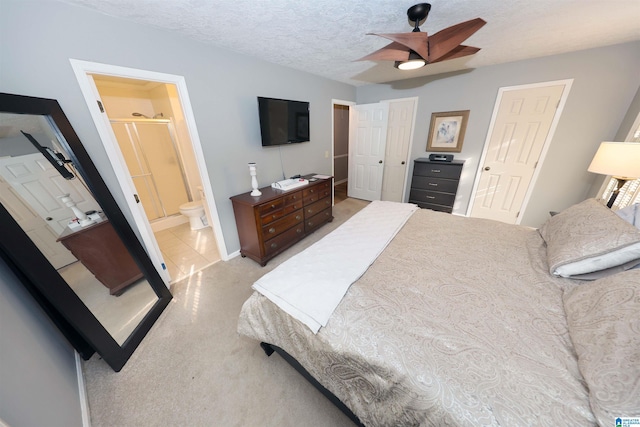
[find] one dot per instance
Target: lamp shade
(619, 159)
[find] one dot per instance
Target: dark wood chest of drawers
(99, 248)
(270, 223)
(434, 184)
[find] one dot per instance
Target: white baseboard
(82, 391)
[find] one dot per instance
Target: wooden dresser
(99, 248)
(270, 223)
(434, 184)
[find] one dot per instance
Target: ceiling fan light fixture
(414, 62)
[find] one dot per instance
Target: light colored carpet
(193, 369)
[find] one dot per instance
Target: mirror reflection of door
(65, 222)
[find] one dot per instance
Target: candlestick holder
(83, 219)
(254, 180)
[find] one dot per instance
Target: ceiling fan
(416, 49)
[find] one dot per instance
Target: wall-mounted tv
(283, 121)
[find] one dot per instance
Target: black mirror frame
(81, 328)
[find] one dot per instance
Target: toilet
(195, 212)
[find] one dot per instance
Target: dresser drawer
(316, 207)
(271, 216)
(315, 193)
(317, 220)
(279, 208)
(441, 208)
(444, 170)
(434, 184)
(284, 240)
(293, 207)
(292, 198)
(435, 197)
(269, 207)
(276, 227)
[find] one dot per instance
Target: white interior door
(35, 227)
(523, 122)
(40, 185)
(399, 136)
(367, 140)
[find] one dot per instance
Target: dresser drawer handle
(273, 216)
(309, 211)
(435, 170)
(327, 202)
(310, 223)
(272, 230)
(295, 206)
(432, 184)
(298, 230)
(327, 214)
(430, 197)
(298, 217)
(311, 191)
(273, 206)
(274, 245)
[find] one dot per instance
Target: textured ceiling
(324, 37)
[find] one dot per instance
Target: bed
(466, 322)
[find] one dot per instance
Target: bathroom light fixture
(621, 160)
(414, 62)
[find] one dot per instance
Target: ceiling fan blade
(415, 41)
(446, 40)
(457, 52)
(391, 52)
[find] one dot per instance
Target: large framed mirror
(65, 237)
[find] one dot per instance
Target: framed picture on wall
(446, 132)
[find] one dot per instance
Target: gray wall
(40, 36)
(605, 82)
(38, 383)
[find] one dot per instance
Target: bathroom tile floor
(186, 251)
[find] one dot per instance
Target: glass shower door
(150, 152)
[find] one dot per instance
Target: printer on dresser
(435, 183)
(270, 223)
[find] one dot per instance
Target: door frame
(335, 102)
(350, 104)
(82, 70)
(545, 148)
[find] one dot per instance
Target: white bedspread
(310, 285)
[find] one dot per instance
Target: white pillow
(588, 238)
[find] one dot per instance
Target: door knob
(380, 162)
(402, 163)
(487, 168)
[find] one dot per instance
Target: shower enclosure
(155, 165)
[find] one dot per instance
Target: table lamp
(621, 160)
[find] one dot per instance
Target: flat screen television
(283, 121)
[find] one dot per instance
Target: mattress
(457, 323)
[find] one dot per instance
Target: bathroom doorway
(148, 137)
